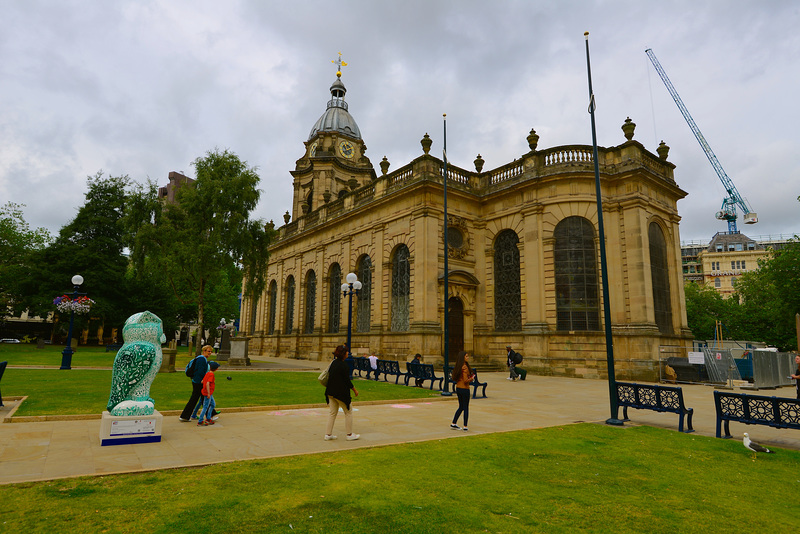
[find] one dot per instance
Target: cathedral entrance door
(455, 328)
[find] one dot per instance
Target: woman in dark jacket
(337, 394)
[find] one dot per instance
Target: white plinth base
(125, 430)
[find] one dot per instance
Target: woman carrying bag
(337, 394)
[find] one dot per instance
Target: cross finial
(339, 64)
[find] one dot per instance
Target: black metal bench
(422, 371)
(475, 383)
(2, 370)
(389, 367)
(113, 347)
(777, 412)
(656, 398)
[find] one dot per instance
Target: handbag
(323, 376)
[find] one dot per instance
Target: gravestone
(168, 360)
(239, 352)
(224, 346)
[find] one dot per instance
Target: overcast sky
(144, 88)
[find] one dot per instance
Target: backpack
(516, 358)
(190, 367)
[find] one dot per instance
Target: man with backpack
(196, 369)
(514, 359)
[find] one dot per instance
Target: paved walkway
(59, 449)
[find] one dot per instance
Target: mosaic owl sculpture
(136, 365)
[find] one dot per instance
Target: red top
(208, 379)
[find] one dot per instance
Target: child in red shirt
(208, 396)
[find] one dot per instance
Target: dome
(336, 118)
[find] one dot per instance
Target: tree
(704, 307)
(91, 245)
(206, 232)
(770, 298)
(254, 264)
(17, 244)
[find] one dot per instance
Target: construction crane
(728, 210)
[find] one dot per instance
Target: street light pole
(66, 354)
(351, 287)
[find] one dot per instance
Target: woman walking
(461, 377)
(337, 394)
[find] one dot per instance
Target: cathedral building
(523, 254)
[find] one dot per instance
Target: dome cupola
(336, 117)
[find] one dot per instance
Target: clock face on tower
(347, 149)
(312, 149)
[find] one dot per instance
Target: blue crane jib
(728, 210)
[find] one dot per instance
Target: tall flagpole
(446, 389)
(612, 382)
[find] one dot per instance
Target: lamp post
(351, 287)
(66, 354)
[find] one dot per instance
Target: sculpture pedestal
(168, 360)
(239, 353)
(224, 346)
(126, 430)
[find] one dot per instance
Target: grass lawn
(584, 477)
(89, 389)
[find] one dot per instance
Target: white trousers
(333, 406)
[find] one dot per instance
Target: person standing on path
(207, 390)
(337, 394)
(462, 376)
(796, 376)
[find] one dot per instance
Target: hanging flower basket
(79, 305)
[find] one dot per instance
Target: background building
(720, 262)
(523, 255)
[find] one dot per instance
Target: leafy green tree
(89, 245)
(204, 234)
(704, 307)
(254, 264)
(17, 245)
(770, 298)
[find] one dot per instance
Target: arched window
(311, 299)
(401, 289)
(507, 292)
(659, 274)
(334, 298)
(577, 292)
(287, 328)
(717, 282)
(364, 273)
(273, 304)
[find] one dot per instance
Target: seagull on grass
(753, 446)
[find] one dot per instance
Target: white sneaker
(329, 437)
(509, 378)
(455, 426)
(353, 437)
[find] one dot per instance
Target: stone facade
(517, 274)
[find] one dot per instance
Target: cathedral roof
(336, 118)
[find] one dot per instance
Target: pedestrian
(208, 396)
(373, 364)
(796, 376)
(511, 363)
(418, 360)
(200, 370)
(461, 377)
(337, 394)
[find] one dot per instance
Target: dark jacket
(339, 383)
(200, 369)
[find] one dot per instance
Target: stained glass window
(364, 273)
(311, 299)
(401, 289)
(287, 329)
(273, 304)
(507, 293)
(334, 298)
(577, 291)
(659, 272)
